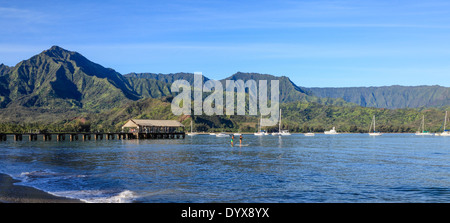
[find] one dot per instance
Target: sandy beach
(10, 193)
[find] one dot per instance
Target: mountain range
(391, 97)
(58, 80)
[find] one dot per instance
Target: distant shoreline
(11, 193)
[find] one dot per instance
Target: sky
(316, 43)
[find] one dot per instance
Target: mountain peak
(57, 52)
(57, 48)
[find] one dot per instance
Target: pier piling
(98, 136)
(17, 137)
(46, 137)
(73, 137)
(60, 137)
(86, 137)
(32, 137)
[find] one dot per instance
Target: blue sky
(315, 43)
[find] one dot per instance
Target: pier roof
(134, 123)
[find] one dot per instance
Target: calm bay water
(203, 168)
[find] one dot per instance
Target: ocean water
(343, 168)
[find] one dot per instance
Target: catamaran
(445, 132)
(192, 133)
(423, 132)
(374, 133)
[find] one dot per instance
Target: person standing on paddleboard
(240, 140)
(232, 138)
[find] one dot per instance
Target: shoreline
(11, 193)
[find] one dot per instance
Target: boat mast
(445, 120)
(374, 123)
(279, 124)
(260, 121)
(423, 123)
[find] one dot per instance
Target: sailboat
(192, 133)
(285, 132)
(445, 132)
(331, 132)
(374, 133)
(423, 132)
(259, 133)
(281, 132)
(279, 127)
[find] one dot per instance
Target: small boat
(281, 132)
(192, 133)
(445, 132)
(285, 133)
(212, 134)
(237, 134)
(331, 132)
(374, 133)
(309, 134)
(259, 133)
(222, 135)
(423, 132)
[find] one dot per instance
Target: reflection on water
(203, 168)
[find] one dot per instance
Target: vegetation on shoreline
(298, 117)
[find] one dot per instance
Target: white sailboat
(281, 132)
(331, 132)
(423, 132)
(279, 127)
(192, 133)
(285, 132)
(445, 132)
(374, 133)
(259, 133)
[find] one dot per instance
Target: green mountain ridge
(390, 96)
(61, 78)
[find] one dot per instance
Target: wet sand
(10, 193)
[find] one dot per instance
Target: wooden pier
(90, 136)
(137, 129)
